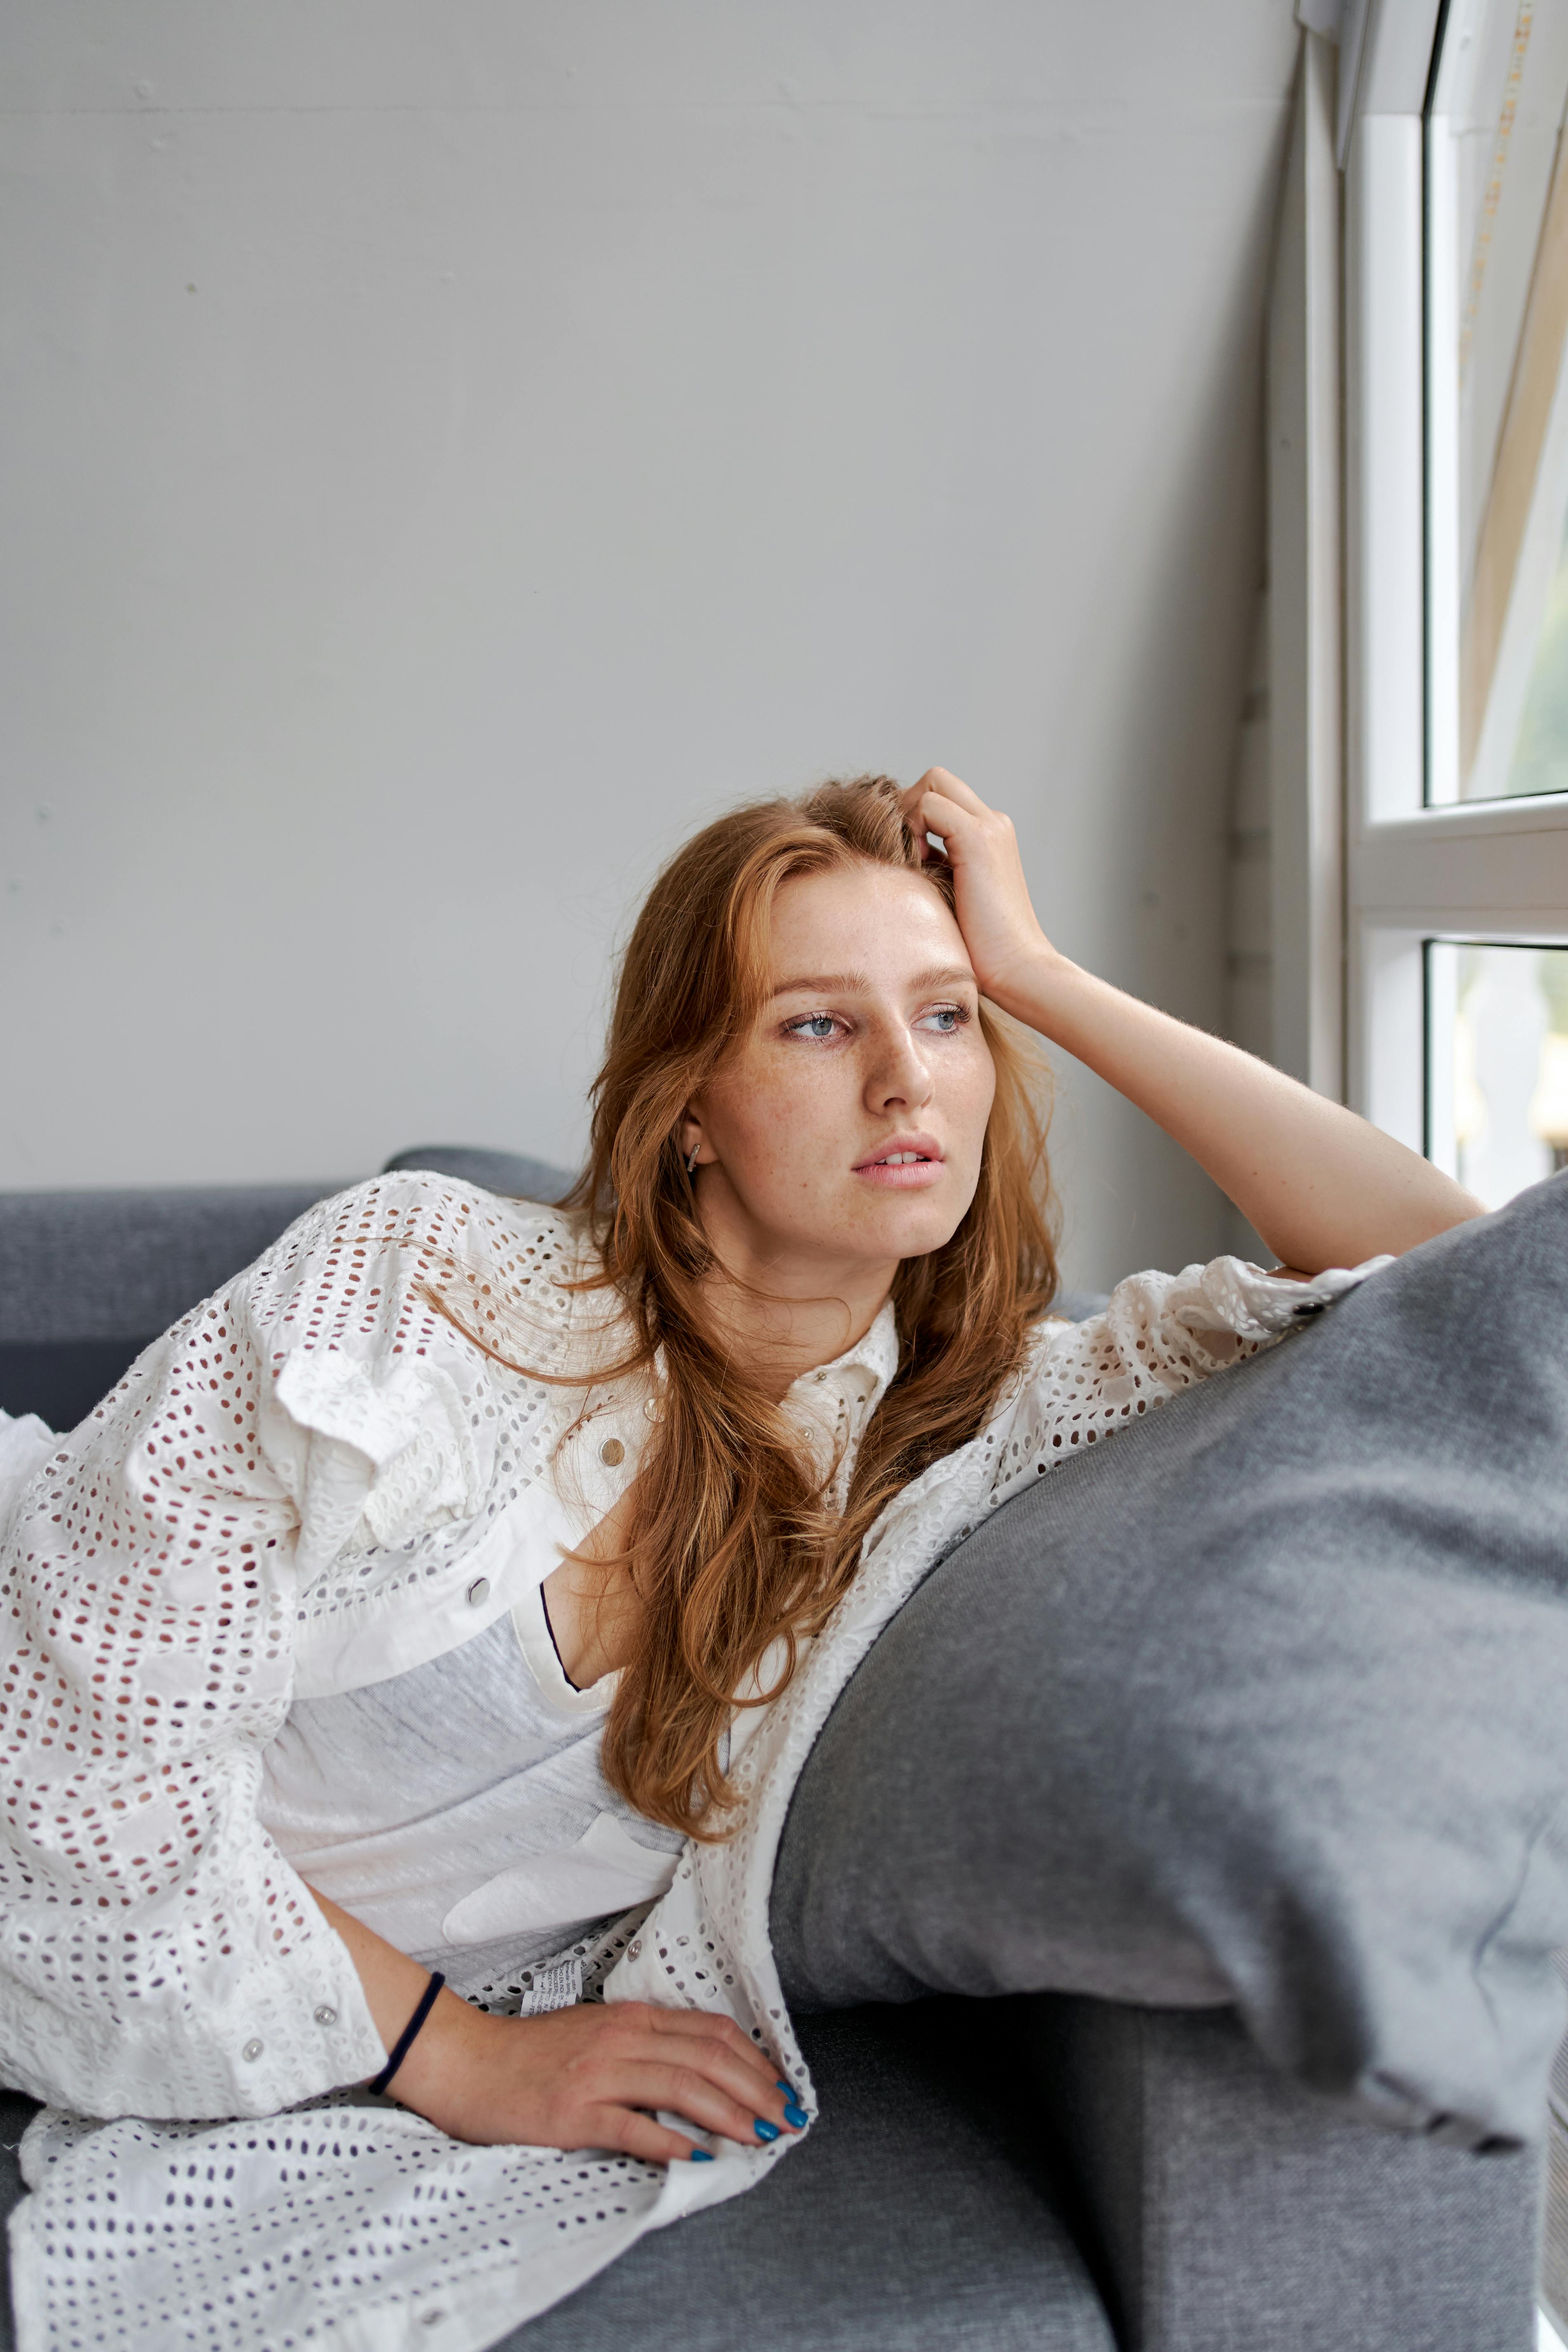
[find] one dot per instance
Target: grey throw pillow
(1264, 1701)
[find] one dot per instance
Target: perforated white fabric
(347, 2220)
(294, 1486)
(313, 1480)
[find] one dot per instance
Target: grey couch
(1037, 2171)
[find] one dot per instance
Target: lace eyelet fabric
(314, 1467)
(417, 2229)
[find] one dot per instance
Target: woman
(413, 1606)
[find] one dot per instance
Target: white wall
(452, 447)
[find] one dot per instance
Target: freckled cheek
(792, 1128)
(972, 1093)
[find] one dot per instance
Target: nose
(899, 1078)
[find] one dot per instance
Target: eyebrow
(858, 983)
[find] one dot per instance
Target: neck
(782, 1311)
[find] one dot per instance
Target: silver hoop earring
(691, 1163)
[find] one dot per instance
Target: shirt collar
(875, 1357)
(835, 1401)
(831, 1405)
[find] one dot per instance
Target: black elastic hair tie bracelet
(409, 2034)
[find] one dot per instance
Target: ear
(690, 1137)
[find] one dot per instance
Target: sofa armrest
(1222, 2208)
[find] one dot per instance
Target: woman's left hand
(1321, 1186)
(1001, 929)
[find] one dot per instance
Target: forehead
(882, 919)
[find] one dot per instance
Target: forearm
(1321, 1186)
(585, 2076)
(393, 1986)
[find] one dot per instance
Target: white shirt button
(612, 1452)
(326, 2014)
(252, 2050)
(479, 1591)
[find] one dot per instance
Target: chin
(917, 1236)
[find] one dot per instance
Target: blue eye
(948, 1018)
(817, 1025)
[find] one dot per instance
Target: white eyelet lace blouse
(314, 1485)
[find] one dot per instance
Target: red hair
(732, 1547)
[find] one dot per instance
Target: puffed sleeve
(158, 1956)
(1158, 1334)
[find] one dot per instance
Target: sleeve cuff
(1232, 1295)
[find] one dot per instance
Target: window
(1450, 133)
(1497, 1080)
(1497, 456)
(1456, 326)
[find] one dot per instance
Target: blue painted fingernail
(701, 2155)
(796, 2115)
(765, 2131)
(782, 2086)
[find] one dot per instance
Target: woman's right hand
(579, 2077)
(586, 2077)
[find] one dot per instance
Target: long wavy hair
(732, 1546)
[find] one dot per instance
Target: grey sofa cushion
(918, 2216)
(124, 1265)
(510, 1173)
(1223, 2208)
(1266, 1700)
(87, 1279)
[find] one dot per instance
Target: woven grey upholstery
(513, 1174)
(124, 1265)
(1226, 2209)
(87, 1279)
(919, 2216)
(16, 2112)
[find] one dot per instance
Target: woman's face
(845, 1132)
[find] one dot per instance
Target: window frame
(1493, 871)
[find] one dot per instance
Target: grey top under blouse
(463, 1804)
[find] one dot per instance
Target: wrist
(1029, 990)
(450, 2043)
